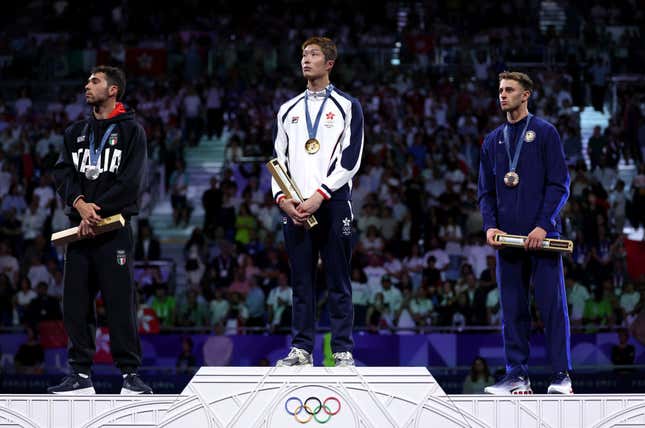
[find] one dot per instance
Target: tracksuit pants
(332, 240)
(103, 263)
(516, 269)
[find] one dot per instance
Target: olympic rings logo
(311, 408)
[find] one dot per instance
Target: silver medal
(92, 172)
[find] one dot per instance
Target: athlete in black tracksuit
(102, 262)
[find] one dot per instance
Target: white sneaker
(510, 384)
(296, 357)
(343, 359)
(560, 384)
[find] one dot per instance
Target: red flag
(146, 62)
(147, 320)
(103, 354)
(52, 334)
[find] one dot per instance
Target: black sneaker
(73, 384)
(133, 385)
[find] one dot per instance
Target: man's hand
(535, 238)
(88, 211)
(85, 229)
(290, 208)
(490, 237)
(311, 205)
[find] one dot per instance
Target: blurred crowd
(206, 73)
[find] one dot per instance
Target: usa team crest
(121, 259)
(114, 138)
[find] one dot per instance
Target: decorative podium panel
(362, 397)
(285, 396)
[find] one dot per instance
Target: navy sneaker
(510, 384)
(133, 385)
(560, 384)
(73, 384)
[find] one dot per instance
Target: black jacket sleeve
(129, 180)
(68, 185)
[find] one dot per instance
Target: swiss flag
(103, 354)
(147, 320)
(146, 62)
(52, 334)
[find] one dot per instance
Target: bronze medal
(511, 179)
(312, 146)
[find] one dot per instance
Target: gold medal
(511, 179)
(312, 146)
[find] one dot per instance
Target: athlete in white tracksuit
(319, 139)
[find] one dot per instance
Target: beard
(98, 98)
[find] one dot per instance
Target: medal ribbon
(94, 155)
(314, 129)
(512, 163)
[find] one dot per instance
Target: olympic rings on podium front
(312, 408)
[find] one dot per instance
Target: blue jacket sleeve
(486, 193)
(557, 181)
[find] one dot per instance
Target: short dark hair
(327, 46)
(114, 76)
(522, 78)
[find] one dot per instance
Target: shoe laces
(560, 377)
(509, 377)
(343, 355)
(297, 353)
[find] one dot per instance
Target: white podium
(362, 397)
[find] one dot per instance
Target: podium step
(362, 397)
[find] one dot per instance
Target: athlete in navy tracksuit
(521, 192)
(319, 139)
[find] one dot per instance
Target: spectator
(360, 297)
(219, 308)
(479, 377)
(414, 265)
(147, 246)
(6, 301)
(33, 221)
(211, 201)
(43, 308)
(379, 315)
(255, 303)
(421, 308)
(164, 306)
(178, 190)
(191, 312)
(240, 284)
(392, 296)
(14, 200)
(30, 358)
(577, 296)
(45, 193)
(8, 263)
(237, 315)
(598, 311)
(629, 300)
(186, 361)
(623, 353)
(244, 223)
(279, 303)
(23, 298)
